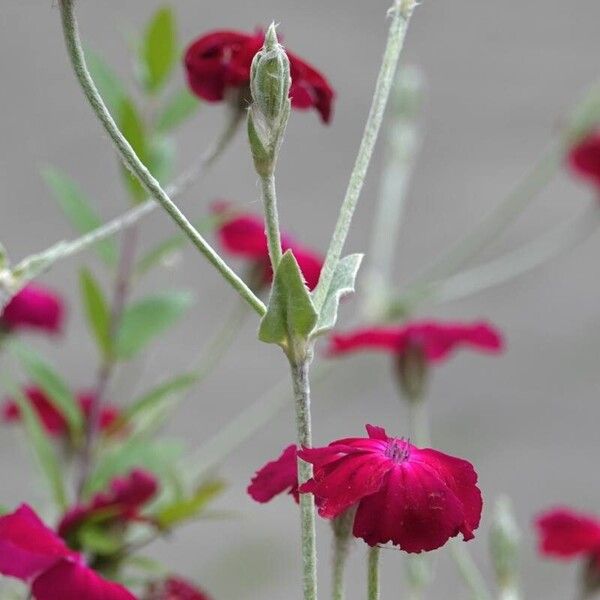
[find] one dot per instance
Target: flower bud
(411, 369)
(504, 545)
(270, 78)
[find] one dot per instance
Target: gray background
(501, 76)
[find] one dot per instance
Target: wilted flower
(415, 498)
(220, 61)
(33, 553)
(34, 307)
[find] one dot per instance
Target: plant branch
(373, 583)
(401, 13)
(469, 572)
(132, 161)
(269, 196)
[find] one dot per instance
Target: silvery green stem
(400, 13)
(513, 264)
(373, 584)
(341, 528)
(269, 197)
(499, 219)
(132, 161)
(402, 146)
(469, 572)
(301, 386)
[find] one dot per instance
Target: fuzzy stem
(373, 587)
(122, 285)
(469, 572)
(301, 386)
(342, 537)
(401, 13)
(269, 196)
(132, 161)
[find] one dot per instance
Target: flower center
(398, 450)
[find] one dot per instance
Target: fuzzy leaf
(342, 284)
(189, 508)
(42, 447)
(290, 315)
(78, 210)
(159, 49)
(180, 107)
(96, 310)
(147, 319)
(46, 377)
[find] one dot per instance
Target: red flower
(221, 60)
(33, 307)
(244, 235)
(53, 421)
(121, 503)
(415, 498)
(276, 477)
(436, 340)
(33, 553)
(584, 158)
(175, 588)
(567, 534)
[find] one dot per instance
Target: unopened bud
(412, 371)
(504, 545)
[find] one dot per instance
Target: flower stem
(469, 572)
(122, 285)
(132, 161)
(401, 13)
(301, 384)
(269, 196)
(373, 587)
(342, 537)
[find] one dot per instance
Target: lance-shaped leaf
(109, 85)
(58, 392)
(96, 310)
(291, 315)
(180, 107)
(78, 210)
(342, 284)
(42, 447)
(159, 49)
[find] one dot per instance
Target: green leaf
(159, 49)
(42, 447)
(343, 282)
(291, 315)
(147, 319)
(155, 456)
(133, 128)
(189, 508)
(99, 540)
(180, 107)
(96, 310)
(44, 375)
(159, 394)
(109, 85)
(78, 210)
(4, 262)
(161, 158)
(168, 247)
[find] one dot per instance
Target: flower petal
(276, 477)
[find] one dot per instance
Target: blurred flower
(435, 339)
(121, 503)
(244, 235)
(415, 498)
(276, 477)
(53, 421)
(34, 307)
(584, 158)
(33, 553)
(221, 60)
(174, 588)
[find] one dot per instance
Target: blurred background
(500, 79)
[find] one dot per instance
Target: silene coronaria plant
(116, 484)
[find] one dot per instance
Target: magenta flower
(121, 504)
(584, 158)
(33, 553)
(436, 340)
(276, 477)
(566, 534)
(244, 235)
(53, 421)
(175, 588)
(34, 307)
(415, 498)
